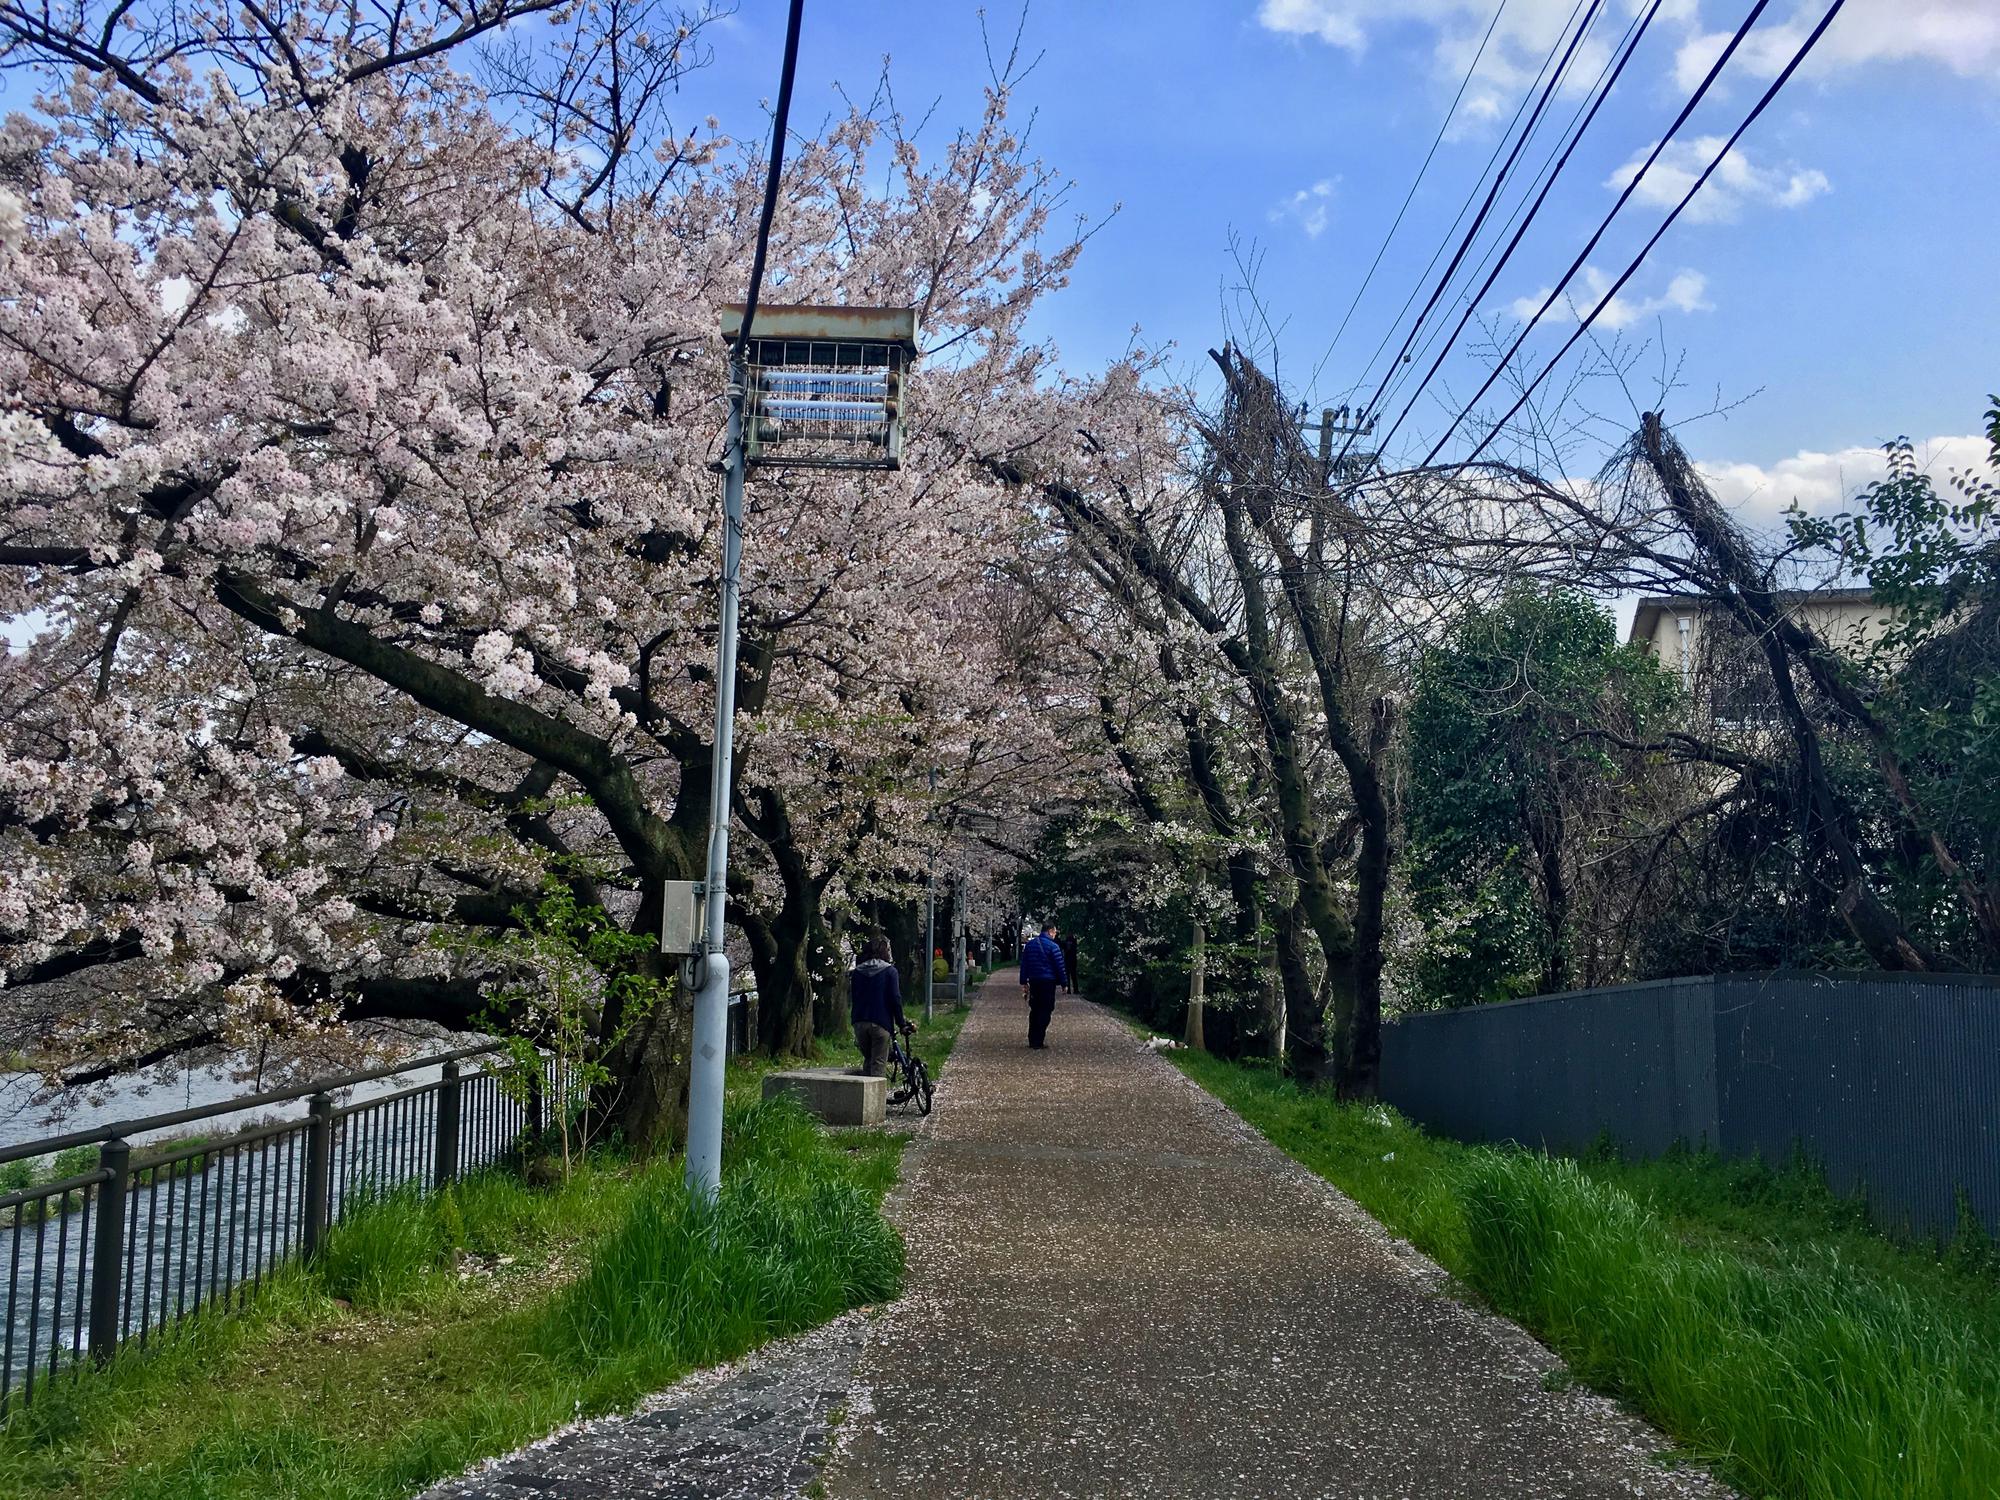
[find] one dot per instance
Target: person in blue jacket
(875, 1005)
(1042, 969)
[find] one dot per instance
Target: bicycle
(909, 1079)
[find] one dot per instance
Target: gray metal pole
(711, 1001)
(930, 942)
(959, 924)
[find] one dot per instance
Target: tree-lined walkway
(1118, 1288)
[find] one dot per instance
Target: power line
(1399, 380)
(1471, 195)
(1485, 208)
(1409, 197)
(779, 117)
(1472, 303)
(1583, 326)
(1680, 119)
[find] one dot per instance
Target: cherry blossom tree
(361, 394)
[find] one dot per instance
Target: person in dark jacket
(1042, 969)
(1067, 942)
(875, 1004)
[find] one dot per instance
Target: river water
(155, 1092)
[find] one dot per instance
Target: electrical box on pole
(680, 919)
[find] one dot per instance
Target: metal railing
(150, 1235)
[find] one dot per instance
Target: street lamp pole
(930, 919)
(711, 1001)
(958, 926)
(930, 940)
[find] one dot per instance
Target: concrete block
(833, 1094)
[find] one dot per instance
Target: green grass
(30, 1172)
(1752, 1314)
(437, 1330)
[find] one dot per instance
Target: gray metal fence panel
(1561, 1070)
(1891, 1082)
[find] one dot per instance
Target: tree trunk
(1361, 1060)
(783, 954)
(1271, 992)
(785, 985)
(1197, 984)
(903, 924)
(646, 1100)
(831, 1018)
(1305, 1012)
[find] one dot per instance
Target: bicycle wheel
(921, 1087)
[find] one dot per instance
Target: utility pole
(1352, 466)
(711, 1000)
(930, 921)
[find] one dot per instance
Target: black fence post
(107, 1262)
(319, 1173)
(450, 1098)
(536, 1108)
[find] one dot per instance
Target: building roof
(1646, 618)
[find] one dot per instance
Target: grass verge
(437, 1330)
(1751, 1314)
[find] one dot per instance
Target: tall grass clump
(793, 1238)
(390, 1249)
(1802, 1376)
(382, 1252)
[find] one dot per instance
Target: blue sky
(1841, 288)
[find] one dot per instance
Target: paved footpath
(1117, 1288)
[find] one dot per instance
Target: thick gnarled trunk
(646, 1101)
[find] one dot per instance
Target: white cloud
(1822, 481)
(1521, 42)
(1734, 183)
(1309, 206)
(1686, 291)
(1962, 35)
